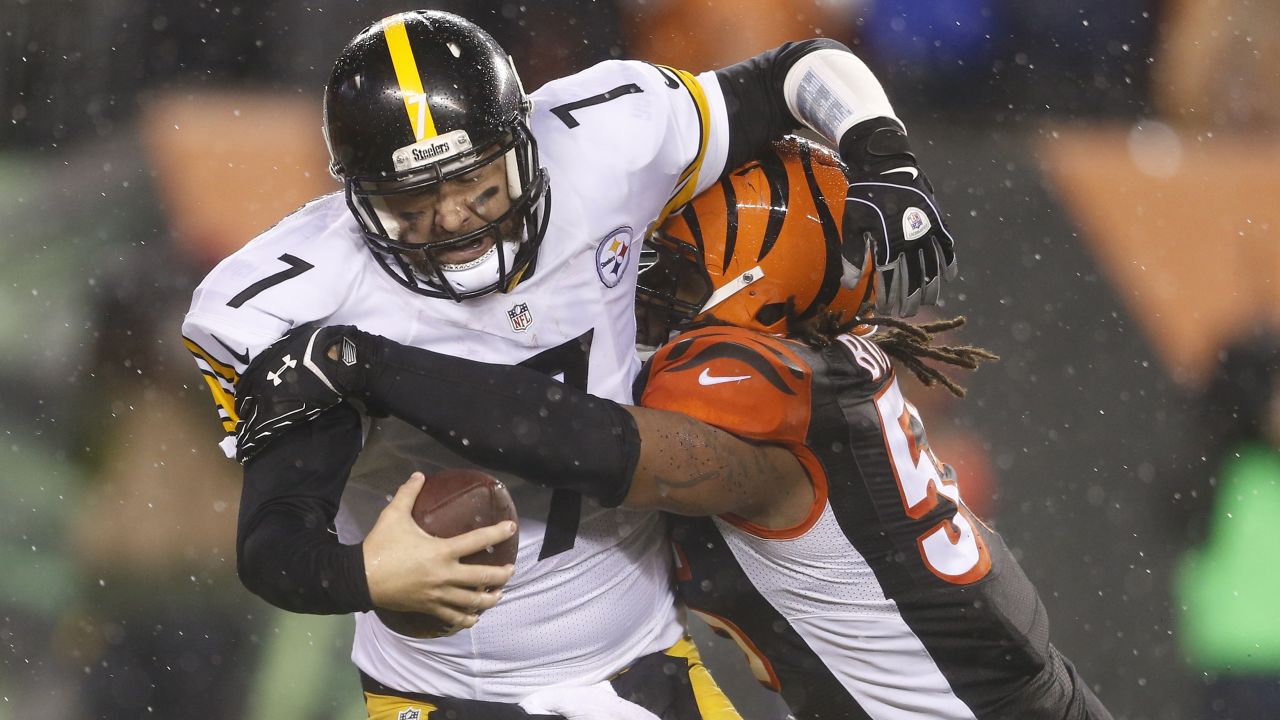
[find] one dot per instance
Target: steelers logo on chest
(613, 256)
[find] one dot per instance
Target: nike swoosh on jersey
(906, 168)
(706, 378)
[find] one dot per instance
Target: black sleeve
(285, 550)
(509, 418)
(754, 100)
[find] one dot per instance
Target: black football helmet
(420, 99)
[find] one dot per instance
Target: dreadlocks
(905, 342)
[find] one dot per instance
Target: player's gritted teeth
(436, 217)
(465, 253)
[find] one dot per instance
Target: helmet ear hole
(769, 314)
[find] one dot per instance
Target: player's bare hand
(409, 570)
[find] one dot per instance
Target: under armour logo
(274, 377)
(348, 352)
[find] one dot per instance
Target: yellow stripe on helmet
(415, 100)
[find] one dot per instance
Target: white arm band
(832, 90)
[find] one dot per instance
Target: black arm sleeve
(511, 419)
(754, 100)
(285, 551)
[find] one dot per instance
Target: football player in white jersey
(841, 555)
(445, 237)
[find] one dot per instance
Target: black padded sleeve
(512, 419)
(754, 100)
(286, 552)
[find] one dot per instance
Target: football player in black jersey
(840, 554)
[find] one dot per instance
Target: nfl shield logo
(520, 317)
(915, 223)
(412, 713)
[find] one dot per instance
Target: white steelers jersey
(588, 596)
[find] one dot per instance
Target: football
(451, 502)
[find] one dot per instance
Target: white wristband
(831, 90)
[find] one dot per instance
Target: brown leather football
(456, 500)
(451, 502)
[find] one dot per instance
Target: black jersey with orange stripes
(890, 600)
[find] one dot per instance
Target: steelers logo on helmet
(768, 246)
(428, 129)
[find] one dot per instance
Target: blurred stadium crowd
(1109, 167)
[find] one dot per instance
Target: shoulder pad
(632, 137)
(297, 272)
(751, 385)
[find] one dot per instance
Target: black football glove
(295, 380)
(892, 206)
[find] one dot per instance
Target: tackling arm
(517, 420)
(688, 467)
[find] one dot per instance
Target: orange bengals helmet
(764, 246)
